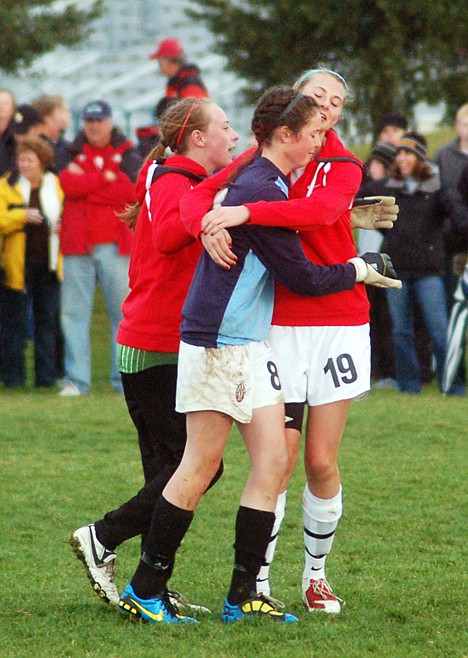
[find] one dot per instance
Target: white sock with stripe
(321, 518)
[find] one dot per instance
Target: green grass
(398, 559)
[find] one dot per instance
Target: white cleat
(99, 563)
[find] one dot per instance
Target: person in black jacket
(416, 247)
(56, 117)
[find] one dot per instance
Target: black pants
(14, 308)
(150, 397)
(382, 358)
(43, 289)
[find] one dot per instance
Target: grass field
(398, 559)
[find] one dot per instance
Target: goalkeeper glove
(374, 212)
(376, 270)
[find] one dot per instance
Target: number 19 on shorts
(341, 369)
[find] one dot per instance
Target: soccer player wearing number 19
(321, 345)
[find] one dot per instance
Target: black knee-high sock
(168, 528)
(253, 531)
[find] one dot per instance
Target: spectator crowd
(60, 234)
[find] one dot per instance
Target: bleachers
(112, 63)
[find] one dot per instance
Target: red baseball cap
(168, 48)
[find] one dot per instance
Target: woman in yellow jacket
(30, 209)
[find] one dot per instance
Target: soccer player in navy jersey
(227, 373)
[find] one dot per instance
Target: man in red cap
(183, 79)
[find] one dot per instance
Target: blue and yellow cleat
(257, 606)
(155, 611)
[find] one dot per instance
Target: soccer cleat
(275, 603)
(155, 611)
(181, 604)
(257, 606)
(318, 595)
(99, 563)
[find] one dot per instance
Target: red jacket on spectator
(91, 201)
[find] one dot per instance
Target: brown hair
(47, 103)
(179, 121)
(413, 142)
(279, 106)
(41, 148)
(176, 125)
(422, 171)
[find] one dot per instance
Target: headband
(181, 132)
(289, 107)
(307, 75)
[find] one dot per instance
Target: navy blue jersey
(235, 306)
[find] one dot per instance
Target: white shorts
(234, 379)
(319, 365)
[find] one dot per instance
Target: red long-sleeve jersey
(162, 262)
(319, 207)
